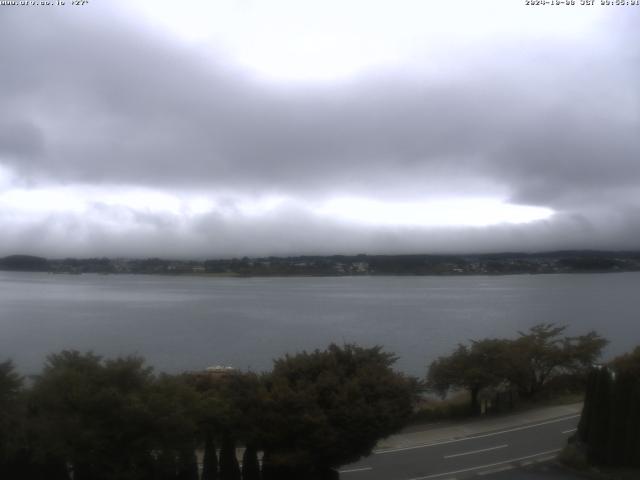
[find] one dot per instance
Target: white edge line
(435, 475)
(570, 430)
(353, 470)
(476, 451)
(425, 445)
(496, 470)
(544, 459)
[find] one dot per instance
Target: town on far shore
(568, 261)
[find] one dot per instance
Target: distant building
(218, 371)
(360, 267)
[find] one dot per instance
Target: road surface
(483, 455)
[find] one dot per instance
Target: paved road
(485, 454)
(543, 471)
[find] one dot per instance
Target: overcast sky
(211, 128)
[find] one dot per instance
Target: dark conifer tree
(210, 460)
(167, 465)
(624, 442)
(250, 464)
(188, 465)
(617, 432)
(229, 468)
(598, 433)
(611, 413)
(588, 412)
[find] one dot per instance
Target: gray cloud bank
(95, 100)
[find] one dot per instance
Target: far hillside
(24, 263)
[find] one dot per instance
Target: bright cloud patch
(36, 203)
(40, 202)
(477, 212)
(293, 40)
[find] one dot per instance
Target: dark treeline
(88, 418)
(609, 429)
(361, 264)
(498, 370)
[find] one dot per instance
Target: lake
(184, 323)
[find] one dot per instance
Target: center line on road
(480, 467)
(476, 451)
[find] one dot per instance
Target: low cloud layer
(96, 101)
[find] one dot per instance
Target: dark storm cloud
(22, 140)
(96, 100)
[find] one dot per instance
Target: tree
(471, 368)
(330, 407)
(173, 406)
(64, 407)
(166, 465)
(12, 418)
(608, 428)
(231, 404)
(111, 419)
(539, 354)
(229, 468)
(210, 459)
(527, 363)
(187, 465)
(628, 364)
(250, 464)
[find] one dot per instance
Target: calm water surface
(181, 323)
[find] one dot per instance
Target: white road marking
(544, 459)
(496, 470)
(476, 451)
(480, 467)
(570, 431)
(492, 434)
(353, 470)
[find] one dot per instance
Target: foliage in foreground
(330, 408)
(89, 418)
(527, 364)
(608, 431)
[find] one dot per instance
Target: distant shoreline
(341, 265)
(328, 275)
